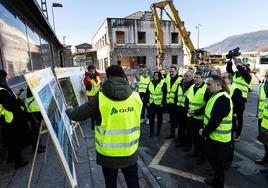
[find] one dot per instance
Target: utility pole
(198, 28)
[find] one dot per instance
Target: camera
(233, 53)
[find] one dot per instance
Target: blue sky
(79, 20)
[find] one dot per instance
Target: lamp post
(55, 5)
(198, 28)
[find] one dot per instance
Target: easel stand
(42, 131)
(76, 124)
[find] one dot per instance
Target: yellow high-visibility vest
(156, 94)
(171, 90)
(223, 132)
(241, 84)
(262, 100)
(31, 105)
(119, 132)
(4, 112)
(143, 84)
(196, 101)
(95, 87)
(182, 96)
(264, 122)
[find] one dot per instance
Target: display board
(47, 94)
(71, 82)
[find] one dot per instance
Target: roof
(140, 15)
(84, 46)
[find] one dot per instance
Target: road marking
(156, 160)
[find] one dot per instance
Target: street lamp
(55, 5)
(198, 28)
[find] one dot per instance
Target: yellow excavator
(194, 55)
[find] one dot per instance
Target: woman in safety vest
(156, 99)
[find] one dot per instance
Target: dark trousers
(93, 123)
(216, 155)
(238, 119)
(197, 140)
(144, 106)
(158, 111)
(172, 110)
(182, 122)
(11, 135)
(266, 152)
(259, 124)
(130, 174)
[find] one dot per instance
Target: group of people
(205, 105)
(19, 121)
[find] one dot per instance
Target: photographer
(92, 83)
(239, 90)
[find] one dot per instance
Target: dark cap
(90, 67)
(3, 74)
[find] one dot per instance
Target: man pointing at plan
(117, 110)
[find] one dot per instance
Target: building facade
(84, 55)
(27, 41)
(131, 41)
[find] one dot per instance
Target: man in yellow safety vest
(117, 110)
(217, 128)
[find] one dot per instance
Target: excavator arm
(179, 24)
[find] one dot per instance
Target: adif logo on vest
(122, 110)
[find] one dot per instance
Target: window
(174, 38)
(174, 60)
(120, 37)
(46, 53)
(141, 37)
(35, 48)
(15, 49)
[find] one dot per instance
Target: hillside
(254, 41)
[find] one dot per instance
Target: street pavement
(160, 163)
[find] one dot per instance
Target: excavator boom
(179, 24)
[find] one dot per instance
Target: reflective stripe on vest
(262, 100)
(119, 132)
(182, 96)
(196, 100)
(156, 93)
(3, 112)
(143, 84)
(239, 83)
(95, 87)
(31, 105)
(171, 90)
(224, 130)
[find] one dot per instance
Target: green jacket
(117, 89)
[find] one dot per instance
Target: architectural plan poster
(71, 82)
(50, 100)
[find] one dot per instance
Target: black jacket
(19, 129)
(116, 89)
